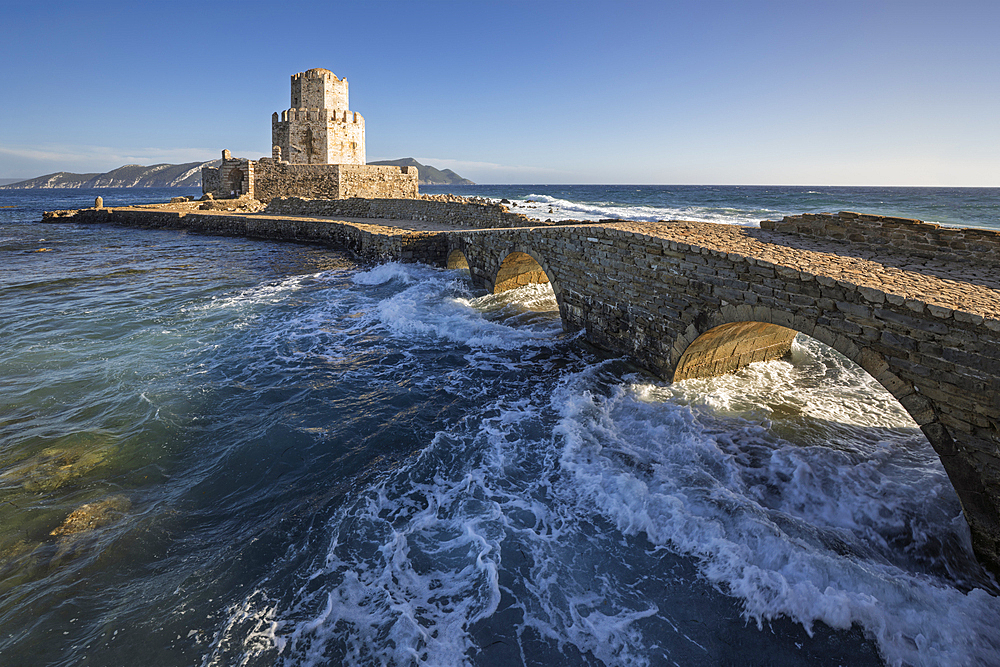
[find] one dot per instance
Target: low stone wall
(379, 181)
(370, 242)
(268, 178)
(922, 239)
(467, 214)
(277, 179)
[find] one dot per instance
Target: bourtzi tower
(319, 128)
(317, 152)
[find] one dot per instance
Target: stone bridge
(914, 304)
(689, 299)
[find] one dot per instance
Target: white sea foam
(409, 568)
(383, 273)
(811, 532)
(798, 487)
(438, 305)
(544, 207)
(258, 294)
(248, 631)
(415, 564)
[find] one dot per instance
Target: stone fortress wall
(211, 180)
(276, 179)
(269, 178)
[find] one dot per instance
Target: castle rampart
(276, 179)
(318, 89)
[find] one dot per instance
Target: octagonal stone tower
(319, 128)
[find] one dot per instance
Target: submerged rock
(93, 516)
(12, 552)
(57, 466)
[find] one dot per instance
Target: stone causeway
(914, 304)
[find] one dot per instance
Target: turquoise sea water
(218, 451)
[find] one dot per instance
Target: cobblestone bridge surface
(689, 299)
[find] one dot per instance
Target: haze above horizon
(793, 93)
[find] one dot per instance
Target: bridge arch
(457, 260)
(735, 337)
(519, 267)
(498, 267)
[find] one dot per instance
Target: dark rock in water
(504, 201)
(93, 516)
(784, 410)
(54, 467)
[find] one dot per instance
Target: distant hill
(186, 175)
(189, 176)
(428, 175)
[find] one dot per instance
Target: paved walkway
(969, 287)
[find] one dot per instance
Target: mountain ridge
(188, 175)
(426, 174)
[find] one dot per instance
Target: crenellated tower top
(319, 88)
(319, 128)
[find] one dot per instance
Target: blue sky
(715, 92)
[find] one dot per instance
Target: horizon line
(15, 180)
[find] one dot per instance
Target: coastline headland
(914, 304)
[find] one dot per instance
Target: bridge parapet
(921, 239)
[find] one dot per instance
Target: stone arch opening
(729, 347)
(732, 345)
(236, 177)
(457, 260)
(517, 270)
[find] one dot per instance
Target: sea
(225, 451)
